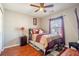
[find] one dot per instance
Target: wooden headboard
(30, 34)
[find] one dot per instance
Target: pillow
(35, 31)
(41, 31)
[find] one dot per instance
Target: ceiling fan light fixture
(41, 9)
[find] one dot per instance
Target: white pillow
(41, 31)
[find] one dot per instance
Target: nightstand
(23, 40)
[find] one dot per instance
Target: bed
(42, 40)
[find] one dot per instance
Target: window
(56, 26)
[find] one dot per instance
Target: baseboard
(66, 46)
(11, 46)
(1, 50)
(8, 47)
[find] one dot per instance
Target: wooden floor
(21, 51)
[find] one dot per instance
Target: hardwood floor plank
(21, 51)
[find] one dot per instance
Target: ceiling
(27, 9)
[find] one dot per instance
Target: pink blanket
(43, 39)
(38, 38)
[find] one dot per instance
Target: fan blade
(36, 10)
(48, 6)
(44, 10)
(34, 5)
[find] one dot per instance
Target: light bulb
(41, 9)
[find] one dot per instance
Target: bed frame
(51, 44)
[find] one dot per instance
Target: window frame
(62, 19)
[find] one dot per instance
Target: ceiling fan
(41, 7)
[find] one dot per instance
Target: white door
(0, 30)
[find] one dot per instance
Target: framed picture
(34, 21)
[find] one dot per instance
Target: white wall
(70, 24)
(13, 20)
(1, 28)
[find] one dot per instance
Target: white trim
(67, 46)
(1, 50)
(11, 46)
(8, 47)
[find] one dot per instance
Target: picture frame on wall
(34, 21)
